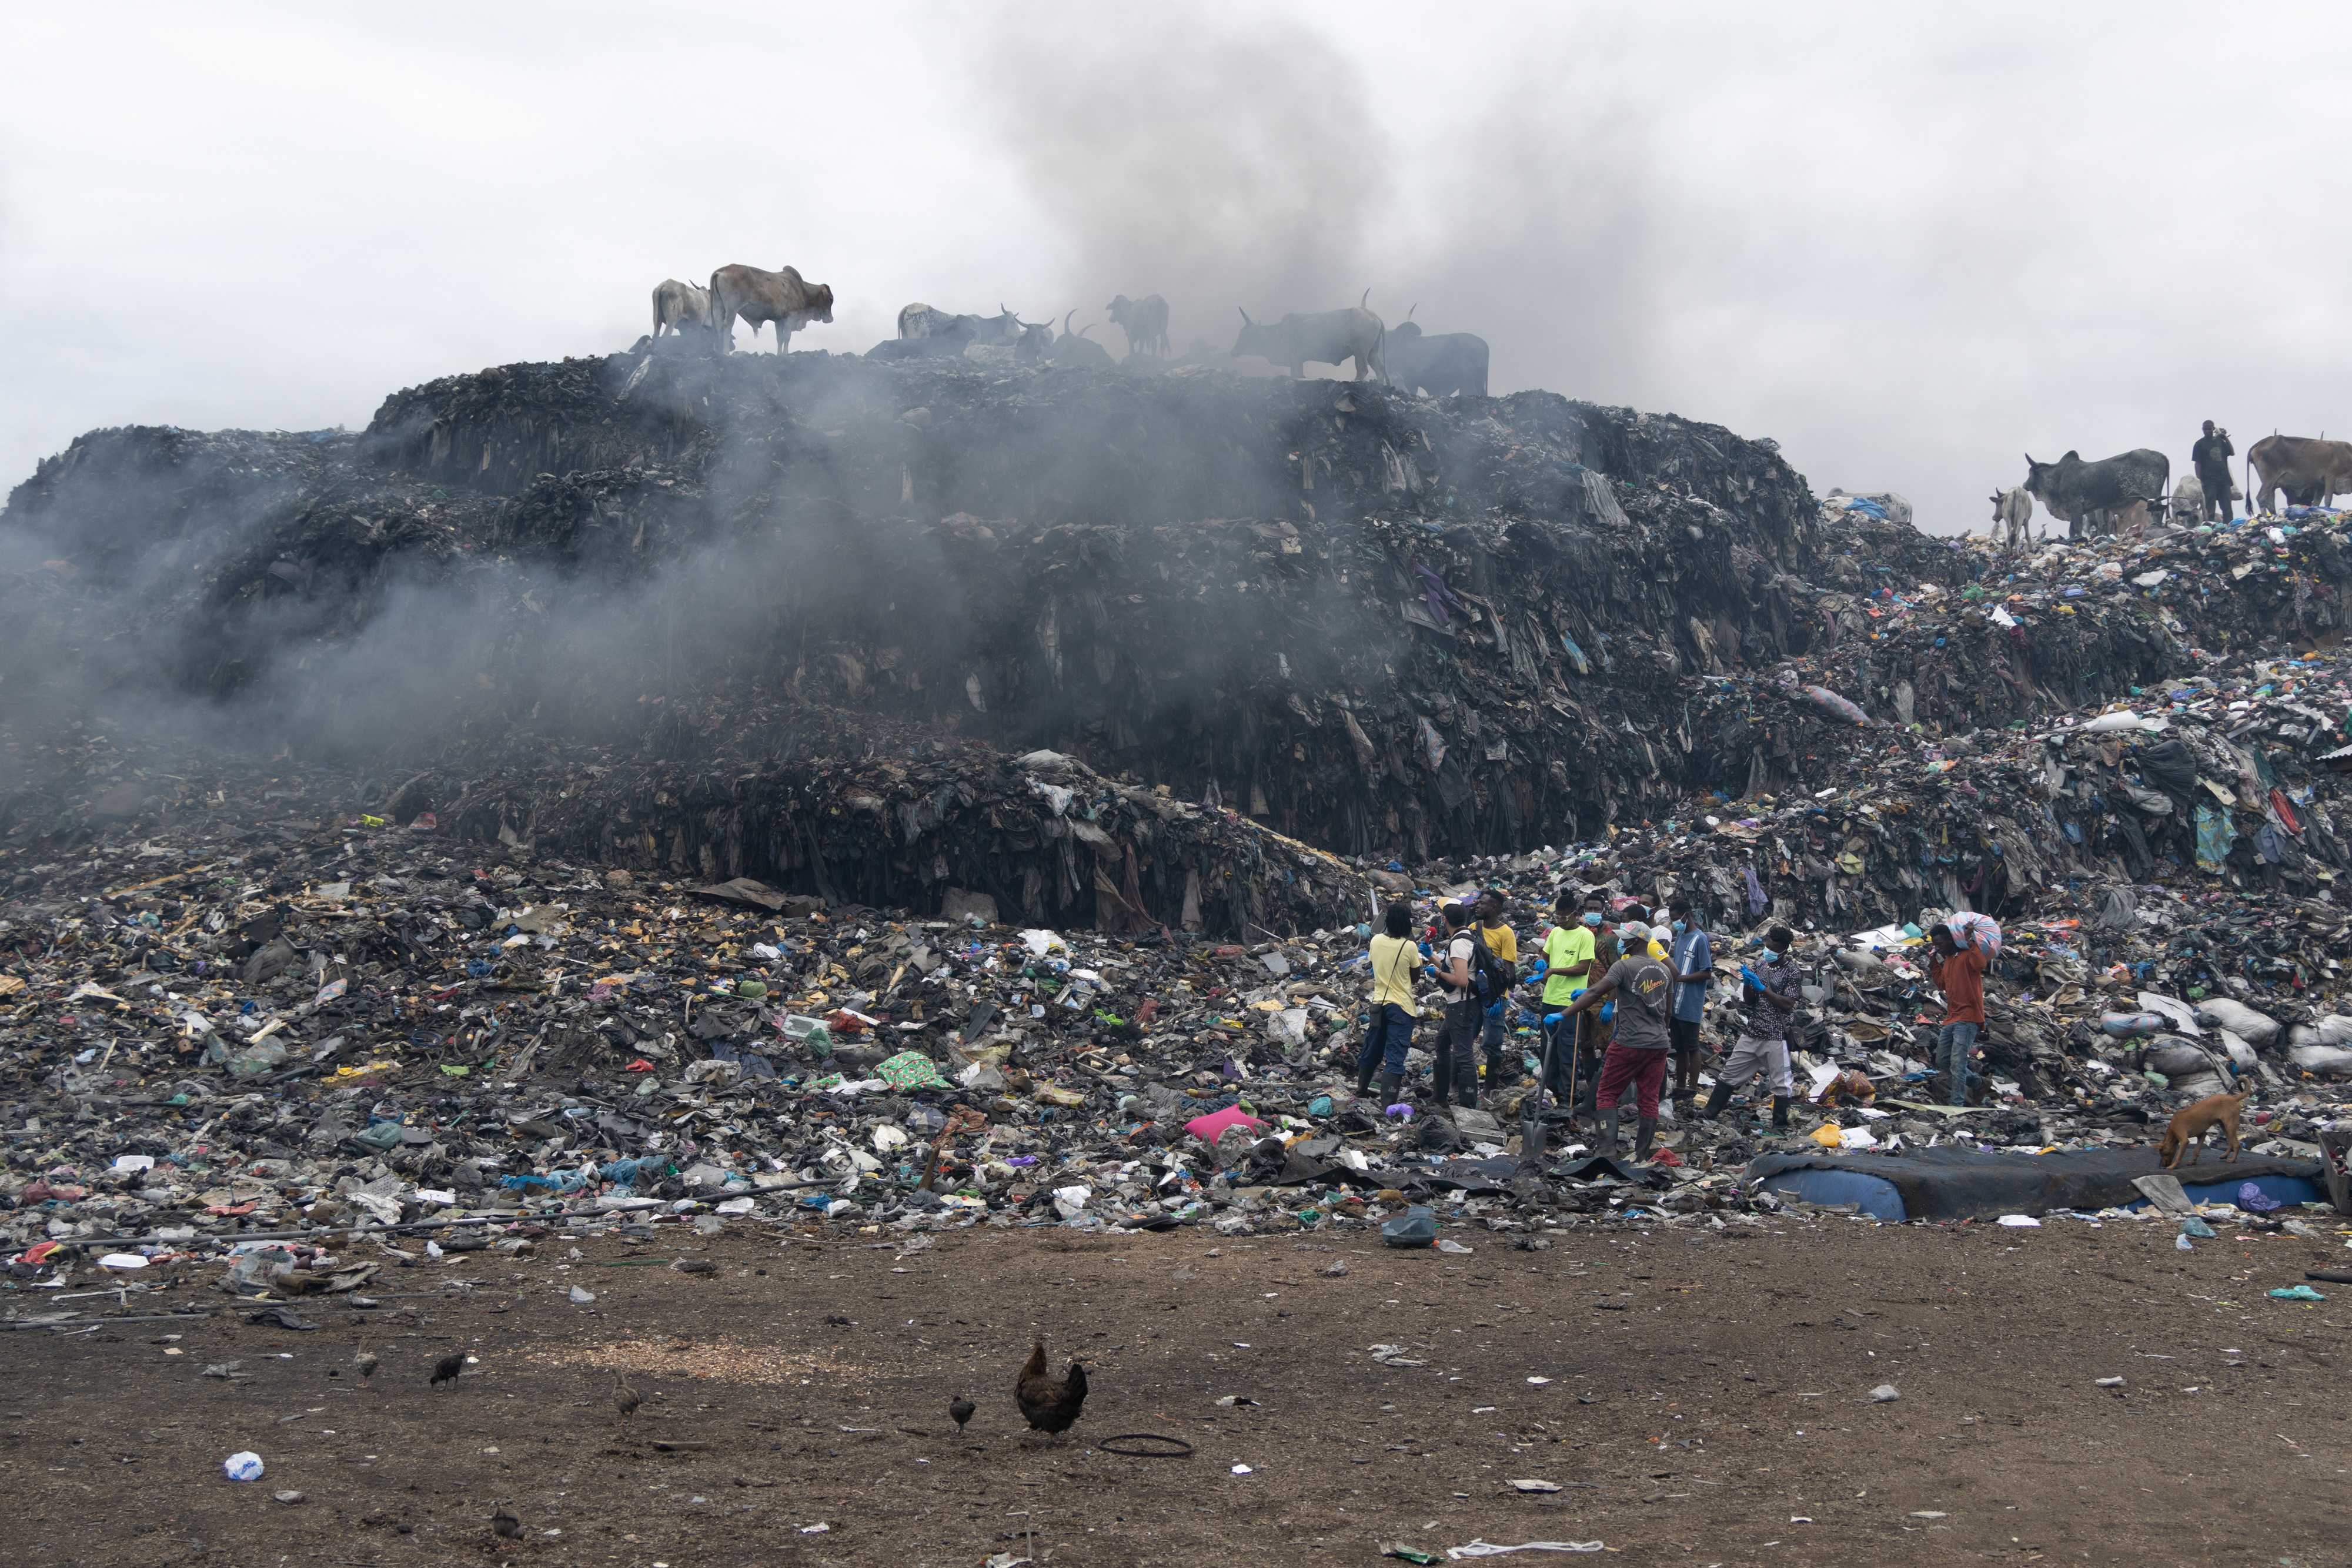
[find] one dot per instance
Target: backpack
(1490, 977)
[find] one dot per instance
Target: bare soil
(1707, 1402)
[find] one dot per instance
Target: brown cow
(2311, 472)
(783, 298)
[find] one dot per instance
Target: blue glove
(1748, 974)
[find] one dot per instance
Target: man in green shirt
(1568, 969)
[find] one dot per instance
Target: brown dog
(2191, 1122)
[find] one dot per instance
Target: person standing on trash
(2210, 457)
(1568, 969)
(1457, 1039)
(1958, 972)
(1595, 1030)
(1637, 1054)
(1503, 944)
(1762, 1046)
(1388, 1035)
(1691, 957)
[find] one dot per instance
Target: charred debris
(801, 620)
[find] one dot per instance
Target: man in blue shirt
(1691, 957)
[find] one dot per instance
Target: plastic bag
(1416, 1226)
(2256, 1029)
(1829, 702)
(1982, 929)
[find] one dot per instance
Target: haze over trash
(1909, 248)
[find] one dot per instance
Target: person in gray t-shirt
(1762, 1047)
(1637, 1053)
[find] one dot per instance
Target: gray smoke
(1222, 164)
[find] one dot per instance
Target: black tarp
(1958, 1183)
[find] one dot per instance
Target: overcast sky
(1910, 243)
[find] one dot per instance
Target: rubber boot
(1465, 1090)
(1643, 1130)
(1717, 1098)
(1605, 1137)
(1392, 1088)
(1363, 1080)
(1779, 1112)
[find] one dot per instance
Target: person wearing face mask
(1568, 969)
(1762, 1047)
(1690, 957)
(1639, 939)
(1637, 1056)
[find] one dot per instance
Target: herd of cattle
(2121, 491)
(2090, 498)
(1400, 356)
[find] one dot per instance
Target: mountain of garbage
(905, 793)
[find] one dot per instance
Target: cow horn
(1416, 305)
(1245, 315)
(1361, 303)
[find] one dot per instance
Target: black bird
(961, 1408)
(506, 1524)
(446, 1369)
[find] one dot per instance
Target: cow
(679, 306)
(785, 299)
(1329, 338)
(1035, 342)
(1072, 350)
(1447, 362)
(1145, 322)
(2188, 499)
(2311, 472)
(2012, 514)
(947, 344)
(2087, 497)
(1001, 329)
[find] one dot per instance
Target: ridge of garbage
(965, 919)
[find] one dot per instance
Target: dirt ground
(1699, 1398)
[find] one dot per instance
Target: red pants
(1645, 1069)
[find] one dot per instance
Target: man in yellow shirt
(1503, 943)
(1394, 960)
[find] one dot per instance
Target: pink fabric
(1210, 1127)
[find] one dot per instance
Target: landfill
(976, 802)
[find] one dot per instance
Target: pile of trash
(895, 796)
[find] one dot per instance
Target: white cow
(2013, 513)
(679, 306)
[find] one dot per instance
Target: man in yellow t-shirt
(1503, 943)
(1395, 959)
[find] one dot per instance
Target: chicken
(960, 1409)
(1050, 1404)
(446, 1369)
(624, 1399)
(505, 1523)
(365, 1361)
